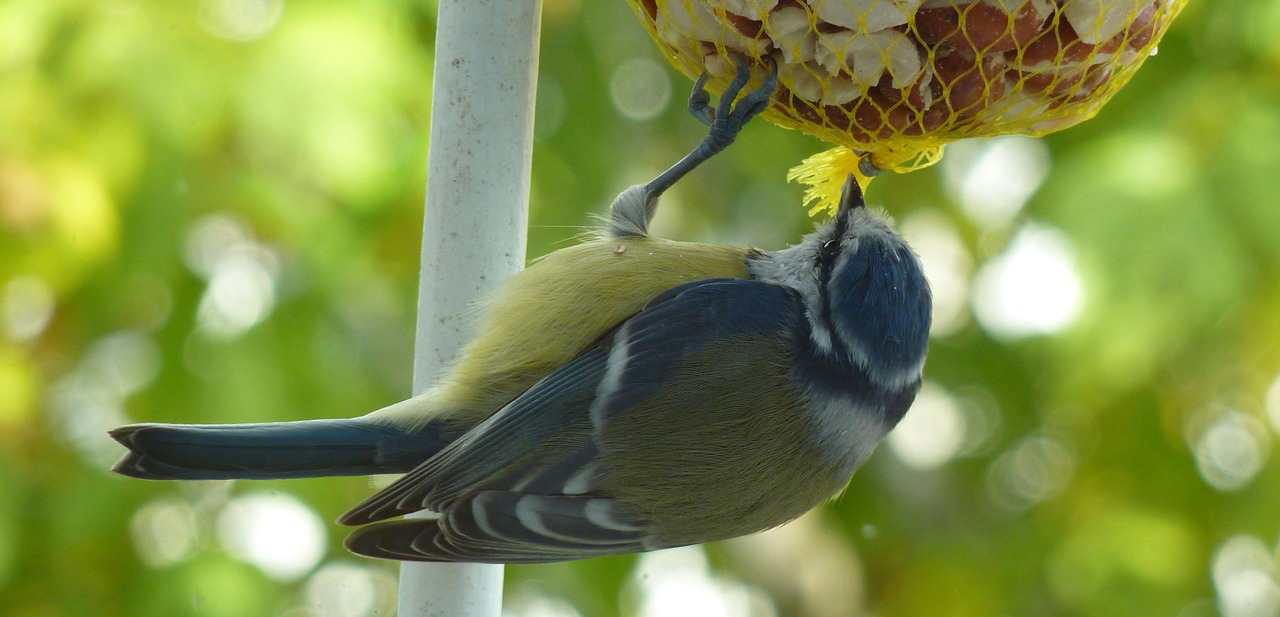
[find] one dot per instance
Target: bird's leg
(725, 121)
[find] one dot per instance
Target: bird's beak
(850, 197)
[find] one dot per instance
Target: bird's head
(864, 288)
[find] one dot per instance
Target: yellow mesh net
(892, 81)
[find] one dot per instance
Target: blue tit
(623, 395)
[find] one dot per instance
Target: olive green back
(547, 314)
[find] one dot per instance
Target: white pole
(474, 229)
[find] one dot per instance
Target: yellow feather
(545, 315)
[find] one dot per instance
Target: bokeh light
(26, 306)
(933, 430)
(981, 419)
(1244, 577)
(241, 274)
(125, 361)
(349, 589)
(947, 264)
(164, 531)
(640, 88)
(275, 532)
(1272, 403)
(1230, 447)
(807, 563)
(1036, 468)
(992, 179)
(679, 583)
(89, 400)
(240, 20)
(531, 602)
(1032, 288)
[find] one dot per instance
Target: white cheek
(848, 430)
(818, 331)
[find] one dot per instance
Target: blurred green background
(210, 212)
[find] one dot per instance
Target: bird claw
(727, 119)
(700, 101)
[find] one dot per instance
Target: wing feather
(525, 485)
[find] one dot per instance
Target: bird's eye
(831, 247)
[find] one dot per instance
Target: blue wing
(522, 485)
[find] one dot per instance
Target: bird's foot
(727, 119)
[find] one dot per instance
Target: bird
(622, 395)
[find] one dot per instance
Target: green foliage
(209, 212)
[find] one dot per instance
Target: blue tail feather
(272, 450)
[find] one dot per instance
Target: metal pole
(474, 229)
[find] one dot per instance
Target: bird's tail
(270, 450)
